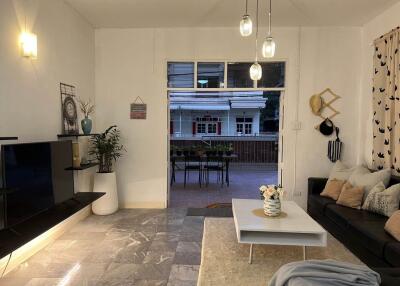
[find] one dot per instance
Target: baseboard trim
(29, 249)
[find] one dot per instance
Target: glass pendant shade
(268, 49)
(255, 71)
(246, 26)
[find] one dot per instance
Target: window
(238, 75)
(207, 124)
(212, 128)
(273, 75)
(180, 74)
(201, 128)
(210, 75)
(244, 125)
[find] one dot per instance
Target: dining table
(174, 158)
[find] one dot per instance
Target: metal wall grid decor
(69, 109)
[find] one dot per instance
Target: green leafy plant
(106, 147)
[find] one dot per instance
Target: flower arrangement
(273, 192)
(87, 107)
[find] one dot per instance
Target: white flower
(263, 188)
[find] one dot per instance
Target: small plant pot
(186, 153)
(228, 153)
(179, 153)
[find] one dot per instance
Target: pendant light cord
(257, 32)
(246, 7)
(269, 17)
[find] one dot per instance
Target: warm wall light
(28, 43)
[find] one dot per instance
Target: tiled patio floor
(244, 183)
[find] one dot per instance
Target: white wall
(30, 104)
(330, 57)
(378, 26)
(132, 62)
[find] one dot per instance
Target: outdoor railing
(249, 149)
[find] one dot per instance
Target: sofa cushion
(362, 177)
(392, 253)
(319, 203)
(333, 189)
(385, 201)
(392, 225)
(340, 171)
(351, 196)
(371, 234)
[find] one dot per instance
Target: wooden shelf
(83, 167)
(75, 135)
(22, 233)
(8, 138)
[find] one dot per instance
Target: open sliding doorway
(225, 131)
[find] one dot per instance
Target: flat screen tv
(39, 175)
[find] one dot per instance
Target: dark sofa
(360, 231)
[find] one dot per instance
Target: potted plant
(220, 150)
(107, 149)
(229, 149)
(178, 151)
(186, 150)
(213, 150)
(172, 150)
(87, 109)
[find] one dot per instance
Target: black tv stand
(20, 234)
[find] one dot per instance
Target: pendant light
(268, 49)
(255, 69)
(246, 25)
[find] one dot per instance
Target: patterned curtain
(386, 103)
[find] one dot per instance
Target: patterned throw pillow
(383, 201)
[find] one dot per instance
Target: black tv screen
(39, 177)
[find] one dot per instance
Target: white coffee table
(294, 227)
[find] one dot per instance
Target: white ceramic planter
(105, 183)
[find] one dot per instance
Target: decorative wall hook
(324, 104)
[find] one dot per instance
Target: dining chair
(192, 164)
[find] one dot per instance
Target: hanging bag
(335, 147)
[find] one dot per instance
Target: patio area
(245, 179)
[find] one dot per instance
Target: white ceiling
(226, 13)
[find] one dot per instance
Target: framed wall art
(69, 109)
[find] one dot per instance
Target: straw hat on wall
(316, 103)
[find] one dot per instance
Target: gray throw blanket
(324, 273)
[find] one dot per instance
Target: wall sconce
(28, 43)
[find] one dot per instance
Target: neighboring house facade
(194, 115)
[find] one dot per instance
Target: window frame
(244, 124)
(225, 88)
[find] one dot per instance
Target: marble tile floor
(245, 181)
(131, 247)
